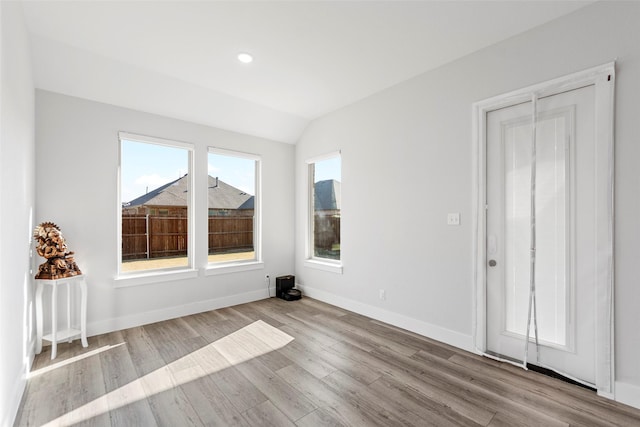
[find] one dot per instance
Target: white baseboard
(629, 394)
(428, 330)
(125, 322)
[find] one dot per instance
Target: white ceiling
(311, 57)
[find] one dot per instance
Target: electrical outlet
(383, 294)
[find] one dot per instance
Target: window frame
(311, 260)
(157, 274)
(256, 262)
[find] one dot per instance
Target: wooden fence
(326, 232)
(150, 236)
(229, 234)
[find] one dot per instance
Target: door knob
(492, 263)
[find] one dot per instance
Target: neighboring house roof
(328, 195)
(221, 195)
(248, 204)
(225, 196)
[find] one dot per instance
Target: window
(233, 206)
(325, 203)
(156, 198)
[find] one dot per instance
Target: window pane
(231, 197)
(155, 210)
(326, 208)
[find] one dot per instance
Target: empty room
(172, 221)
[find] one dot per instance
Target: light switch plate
(453, 218)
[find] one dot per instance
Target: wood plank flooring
(302, 363)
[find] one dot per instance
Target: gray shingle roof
(225, 196)
(221, 195)
(328, 195)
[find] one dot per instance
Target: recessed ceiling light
(245, 58)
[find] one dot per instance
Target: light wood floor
(303, 363)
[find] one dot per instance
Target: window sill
(316, 264)
(146, 278)
(232, 267)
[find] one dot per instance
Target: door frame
(603, 78)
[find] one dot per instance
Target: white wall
(106, 80)
(77, 158)
(17, 194)
(407, 162)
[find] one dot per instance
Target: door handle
(492, 263)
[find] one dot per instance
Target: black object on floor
(292, 295)
(285, 288)
(283, 284)
(554, 374)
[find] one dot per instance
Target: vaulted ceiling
(178, 58)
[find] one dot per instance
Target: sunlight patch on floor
(245, 344)
(71, 360)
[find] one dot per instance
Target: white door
(565, 230)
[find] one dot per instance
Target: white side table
(67, 334)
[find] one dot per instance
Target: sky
(145, 167)
(327, 169)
